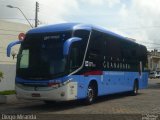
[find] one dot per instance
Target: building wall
(9, 32)
(154, 60)
(8, 83)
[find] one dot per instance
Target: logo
(51, 37)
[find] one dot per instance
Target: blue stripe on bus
(108, 83)
(112, 82)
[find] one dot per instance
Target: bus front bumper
(63, 93)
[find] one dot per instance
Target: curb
(4, 99)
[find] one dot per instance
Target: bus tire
(91, 93)
(135, 88)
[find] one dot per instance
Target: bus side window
(24, 61)
(93, 55)
(75, 58)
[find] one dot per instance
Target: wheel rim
(135, 89)
(90, 94)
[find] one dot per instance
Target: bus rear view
(71, 61)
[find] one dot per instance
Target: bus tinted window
(42, 56)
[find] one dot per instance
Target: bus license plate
(36, 95)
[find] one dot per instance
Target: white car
(154, 74)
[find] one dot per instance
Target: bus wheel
(135, 88)
(91, 94)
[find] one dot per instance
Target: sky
(137, 19)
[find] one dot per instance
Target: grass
(7, 92)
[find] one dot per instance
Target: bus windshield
(41, 56)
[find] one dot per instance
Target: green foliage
(7, 92)
(1, 75)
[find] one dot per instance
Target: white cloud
(51, 11)
(123, 11)
(56, 10)
(143, 15)
(109, 3)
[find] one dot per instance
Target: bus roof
(72, 26)
(53, 28)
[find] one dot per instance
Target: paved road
(147, 101)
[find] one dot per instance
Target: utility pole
(36, 14)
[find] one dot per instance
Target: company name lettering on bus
(89, 64)
(114, 73)
(51, 37)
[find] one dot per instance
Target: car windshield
(41, 56)
(151, 73)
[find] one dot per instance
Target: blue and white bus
(73, 61)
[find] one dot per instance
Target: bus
(71, 61)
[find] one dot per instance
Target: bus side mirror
(11, 45)
(68, 43)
